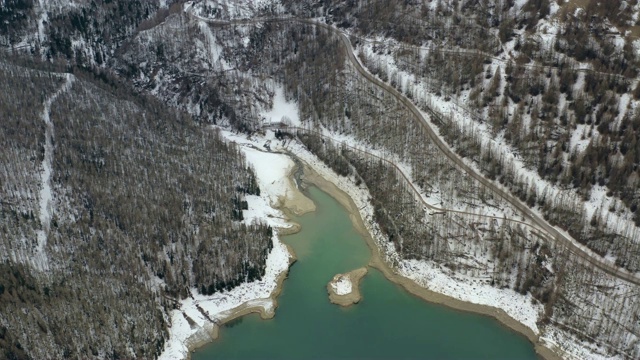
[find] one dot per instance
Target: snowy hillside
(118, 192)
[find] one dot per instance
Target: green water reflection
(387, 323)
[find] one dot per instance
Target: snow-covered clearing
(342, 285)
(282, 111)
(40, 260)
(215, 50)
(237, 9)
(263, 162)
(271, 172)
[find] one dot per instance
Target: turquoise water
(387, 323)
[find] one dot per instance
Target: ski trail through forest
(40, 260)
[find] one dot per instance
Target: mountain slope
(144, 206)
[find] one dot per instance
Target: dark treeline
(99, 27)
(146, 206)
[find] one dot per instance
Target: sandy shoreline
(377, 262)
(298, 204)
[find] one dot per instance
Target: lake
(388, 322)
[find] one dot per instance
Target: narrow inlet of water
(388, 323)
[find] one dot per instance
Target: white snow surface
(273, 167)
(342, 285)
(215, 50)
(271, 172)
(282, 111)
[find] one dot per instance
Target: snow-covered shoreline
(273, 169)
(195, 322)
(260, 295)
(425, 274)
(517, 311)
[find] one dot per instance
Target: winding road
(530, 216)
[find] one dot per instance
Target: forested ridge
(147, 205)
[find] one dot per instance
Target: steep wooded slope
(145, 205)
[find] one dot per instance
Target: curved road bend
(527, 213)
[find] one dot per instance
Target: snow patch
(342, 285)
(580, 138)
(282, 111)
(273, 170)
(215, 50)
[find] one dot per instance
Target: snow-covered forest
(143, 206)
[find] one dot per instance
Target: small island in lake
(344, 289)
